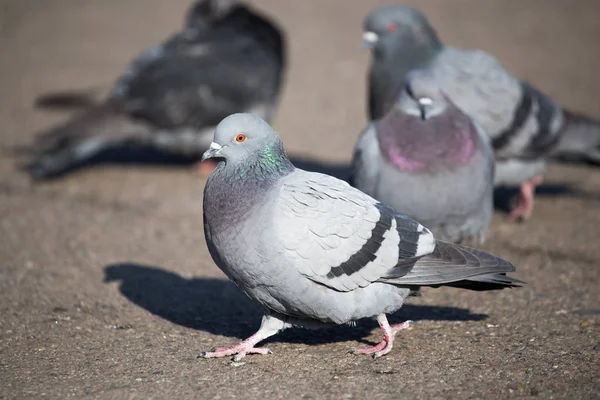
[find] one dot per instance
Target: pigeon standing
(227, 59)
(430, 160)
(526, 126)
(313, 250)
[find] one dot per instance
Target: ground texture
(106, 286)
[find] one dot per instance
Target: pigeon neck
(415, 146)
(235, 189)
(392, 61)
(269, 164)
(411, 52)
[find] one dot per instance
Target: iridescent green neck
(271, 163)
(234, 189)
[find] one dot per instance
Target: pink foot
(524, 203)
(270, 325)
(386, 345)
(238, 351)
(205, 168)
(370, 350)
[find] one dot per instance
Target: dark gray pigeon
(525, 125)
(227, 59)
(313, 250)
(430, 160)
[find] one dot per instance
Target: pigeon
(314, 251)
(227, 59)
(430, 160)
(525, 125)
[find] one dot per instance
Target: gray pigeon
(227, 59)
(313, 250)
(525, 125)
(430, 160)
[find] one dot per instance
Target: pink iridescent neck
(465, 152)
(404, 163)
(411, 147)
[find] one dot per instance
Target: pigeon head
(204, 13)
(393, 25)
(421, 95)
(245, 141)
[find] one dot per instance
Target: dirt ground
(106, 286)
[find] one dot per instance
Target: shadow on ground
(218, 307)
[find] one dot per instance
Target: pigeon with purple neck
(526, 126)
(430, 160)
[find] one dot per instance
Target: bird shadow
(216, 306)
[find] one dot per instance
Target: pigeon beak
(369, 40)
(424, 104)
(212, 151)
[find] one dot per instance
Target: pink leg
(389, 332)
(269, 326)
(206, 167)
(524, 203)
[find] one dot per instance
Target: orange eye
(240, 137)
(392, 27)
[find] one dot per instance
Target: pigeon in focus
(430, 160)
(314, 251)
(227, 59)
(525, 125)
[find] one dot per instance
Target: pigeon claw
(238, 352)
(523, 206)
(370, 350)
(386, 345)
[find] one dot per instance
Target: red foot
(386, 345)
(206, 167)
(524, 203)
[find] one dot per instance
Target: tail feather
(458, 266)
(59, 149)
(486, 282)
(580, 141)
(70, 99)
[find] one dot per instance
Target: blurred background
(66, 330)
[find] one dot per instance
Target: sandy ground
(107, 289)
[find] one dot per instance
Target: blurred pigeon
(525, 125)
(430, 160)
(227, 59)
(314, 251)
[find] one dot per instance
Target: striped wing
(521, 120)
(340, 237)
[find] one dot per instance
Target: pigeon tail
(69, 100)
(486, 282)
(580, 141)
(60, 149)
(458, 266)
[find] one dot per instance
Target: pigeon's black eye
(240, 137)
(409, 90)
